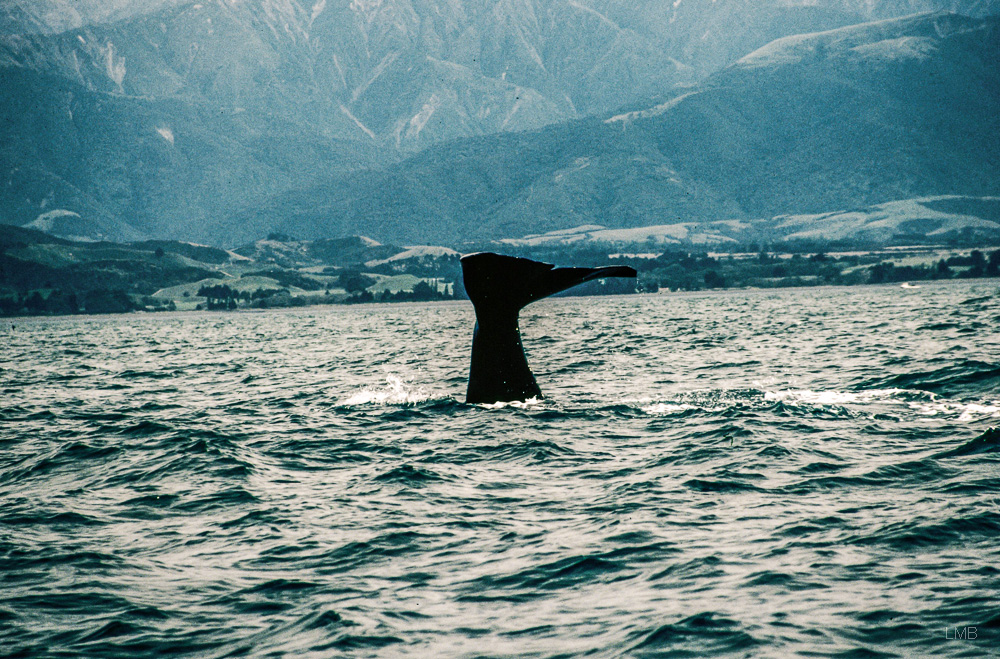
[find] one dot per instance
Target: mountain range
(811, 124)
(425, 120)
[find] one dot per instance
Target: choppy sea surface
(803, 472)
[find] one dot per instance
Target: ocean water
(802, 472)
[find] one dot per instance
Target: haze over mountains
(424, 120)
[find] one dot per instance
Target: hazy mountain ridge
(200, 109)
(162, 122)
(53, 16)
(861, 115)
(411, 72)
(403, 73)
(846, 122)
(134, 166)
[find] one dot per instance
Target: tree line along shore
(44, 275)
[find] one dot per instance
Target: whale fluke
(499, 287)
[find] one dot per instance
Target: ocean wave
(531, 403)
(964, 412)
(278, 495)
(395, 392)
(408, 474)
(925, 403)
(968, 376)
(696, 635)
(534, 581)
(988, 442)
(667, 409)
(844, 397)
(980, 527)
(711, 401)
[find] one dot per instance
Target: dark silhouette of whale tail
(499, 287)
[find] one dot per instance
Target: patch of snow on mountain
(650, 112)
(166, 133)
(46, 221)
(903, 48)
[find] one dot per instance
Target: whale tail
(499, 287)
(504, 283)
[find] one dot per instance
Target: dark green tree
(993, 266)
(978, 268)
(354, 282)
(714, 280)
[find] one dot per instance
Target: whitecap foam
(930, 405)
(840, 397)
(706, 400)
(965, 411)
(516, 404)
(666, 409)
(396, 392)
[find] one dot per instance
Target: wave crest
(395, 392)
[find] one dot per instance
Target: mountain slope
(402, 73)
(160, 117)
(132, 166)
(888, 110)
(853, 117)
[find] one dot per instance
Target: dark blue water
(797, 473)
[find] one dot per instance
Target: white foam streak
(516, 404)
(930, 406)
(396, 392)
(666, 409)
(965, 411)
(707, 401)
(838, 397)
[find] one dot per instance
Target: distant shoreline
(41, 275)
(714, 292)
